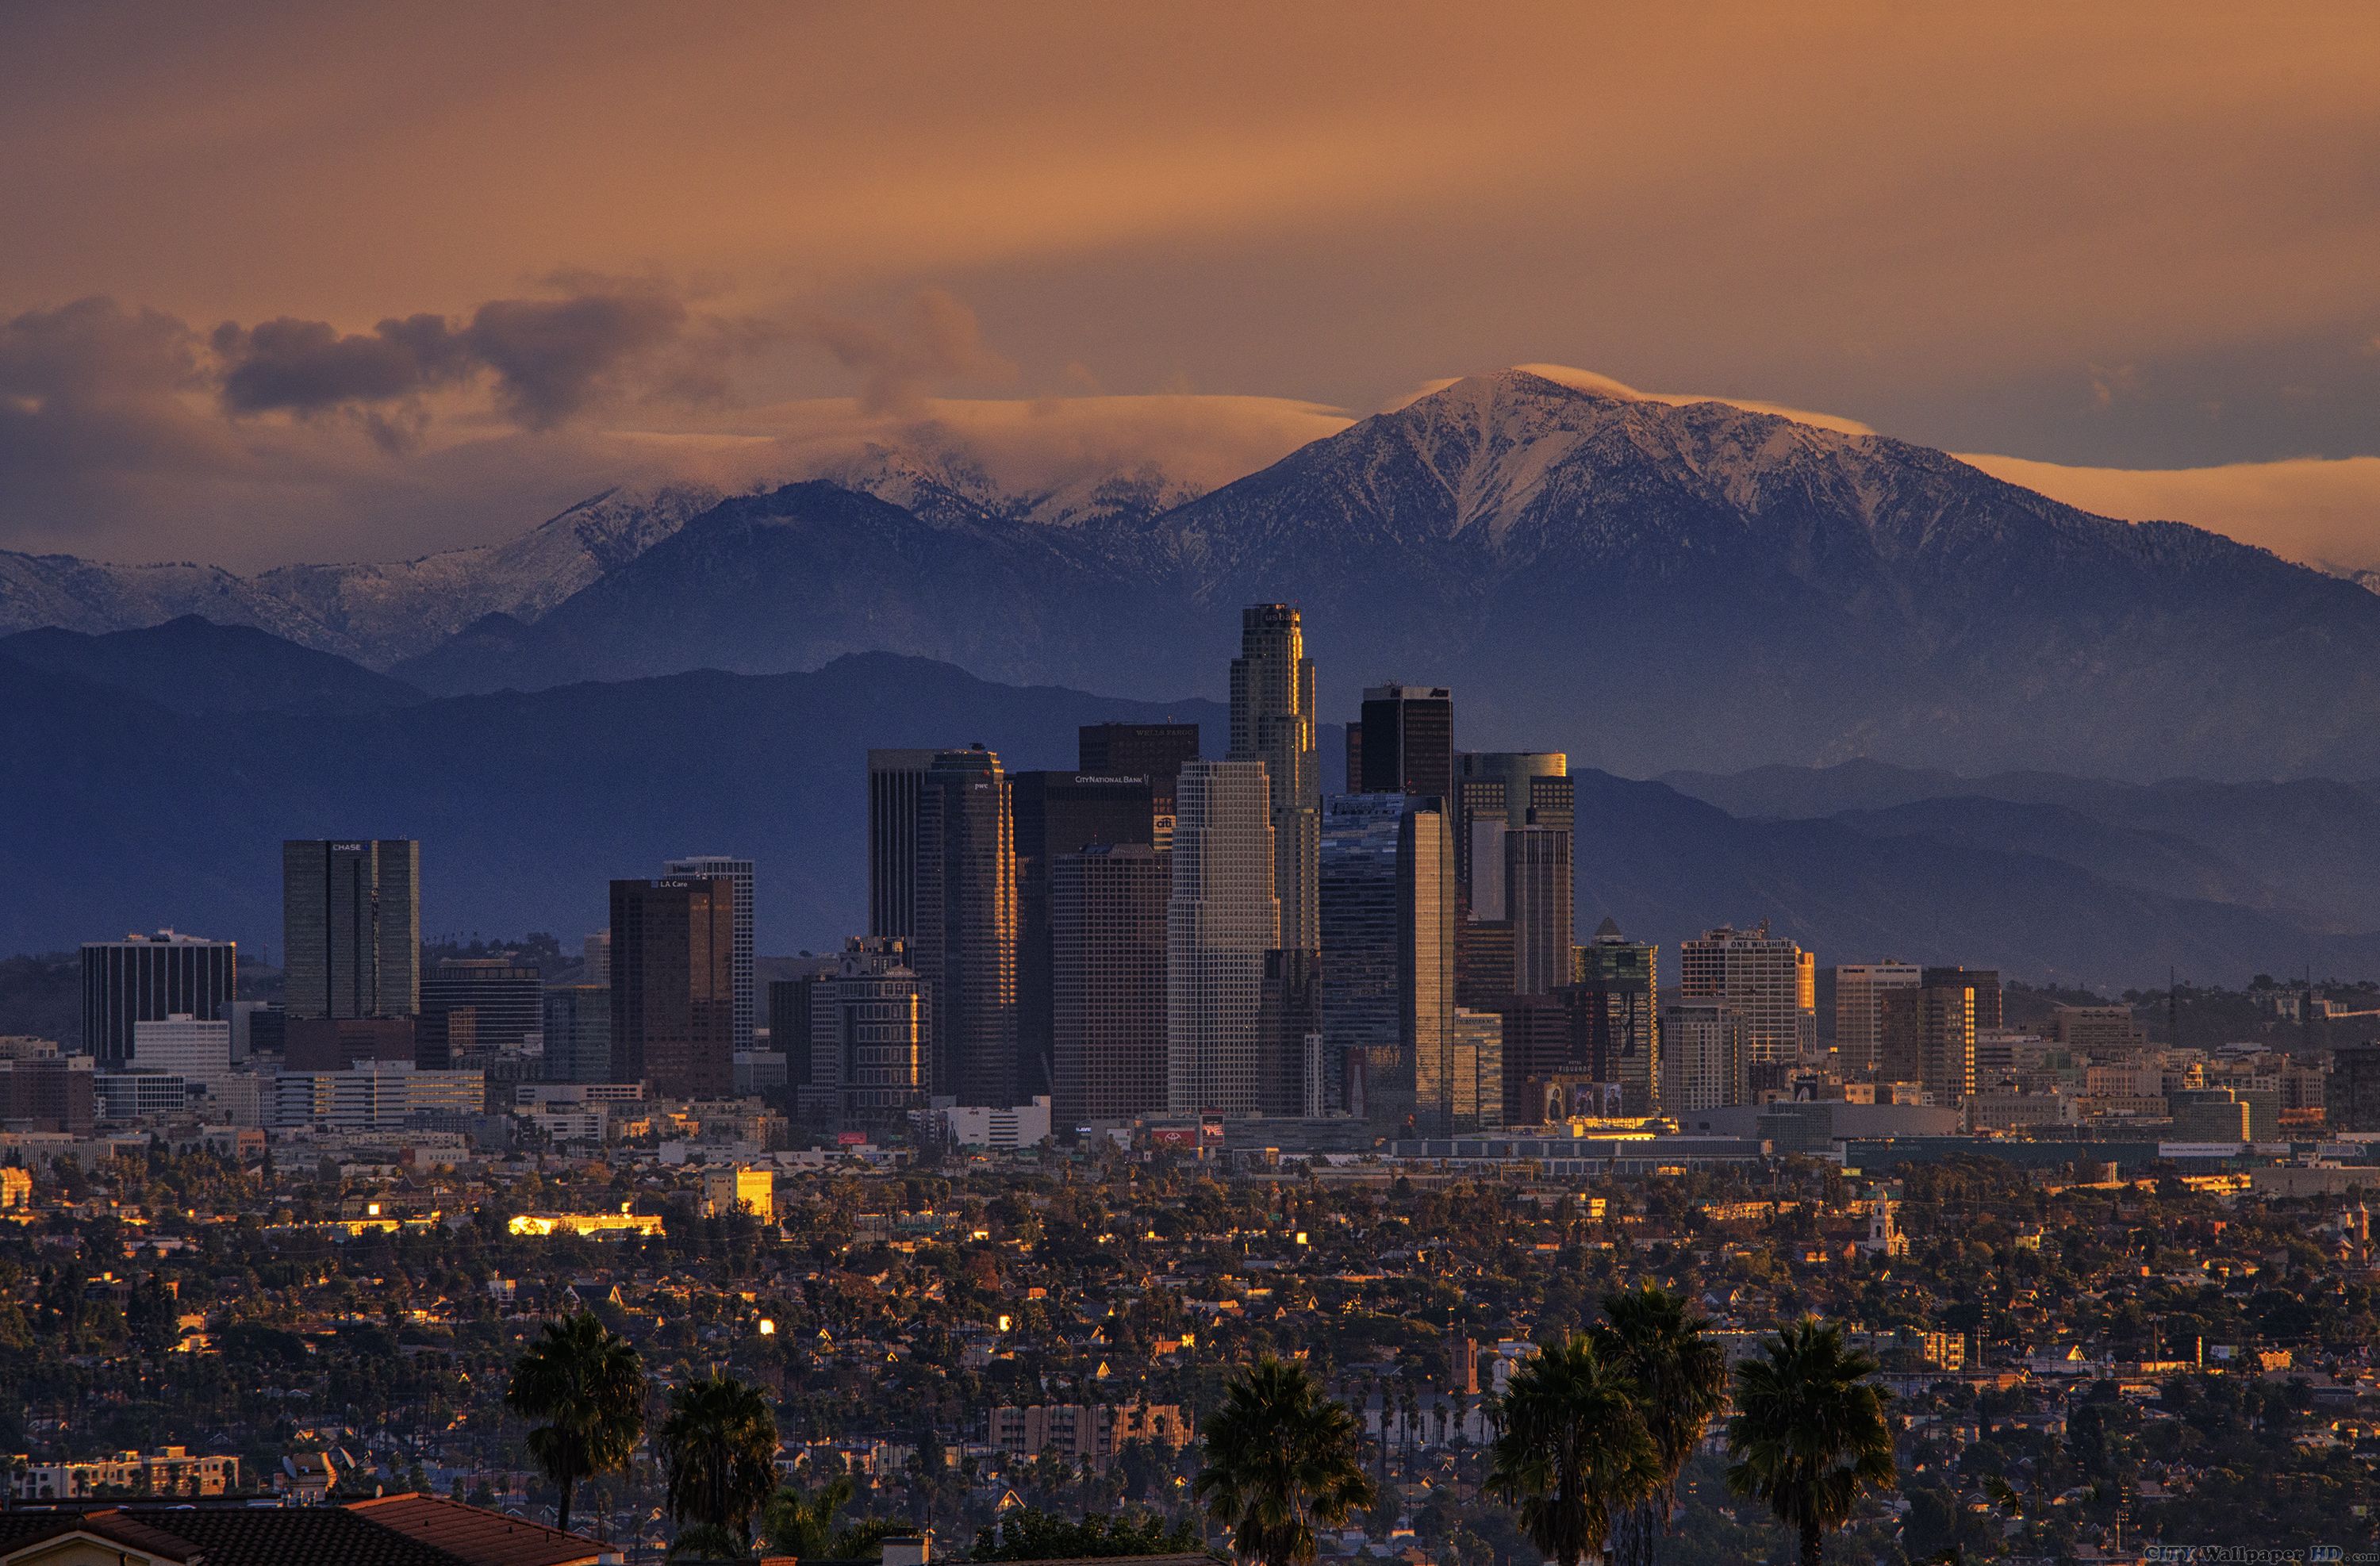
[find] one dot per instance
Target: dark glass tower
(351, 927)
(897, 779)
(1107, 910)
(1408, 743)
(505, 1001)
(148, 978)
(965, 946)
(673, 985)
(1057, 814)
(1155, 751)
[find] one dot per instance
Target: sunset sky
(324, 283)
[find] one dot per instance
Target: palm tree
(1808, 1432)
(588, 1385)
(1572, 1452)
(1282, 1458)
(1681, 1379)
(801, 1524)
(719, 1458)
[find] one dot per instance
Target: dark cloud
(290, 366)
(943, 342)
(549, 359)
(552, 357)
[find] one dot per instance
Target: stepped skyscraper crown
(1272, 721)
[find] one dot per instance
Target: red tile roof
(477, 1537)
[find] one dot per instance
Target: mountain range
(1651, 586)
(152, 774)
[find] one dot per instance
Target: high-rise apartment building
(1538, 893)
(1221, 918)
(1496, 790)
(1860, 989)
(1057, 814)
(871, 1043)
(1272, 721)
(351, 927)
(577, 1020)
(896, 781)
(673, 985)
(1617, 982)
(1703, 1063)
(728, 868)
(1770, 984)
(504, 999)
(964, 944)
(1407, 738)
(1107, 929)
(148, 979)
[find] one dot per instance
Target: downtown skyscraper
(963, 945)
(351, 927)
(1407, 743)
(1221, 918)
(1272, 721)
(673, 985)
(740, 873)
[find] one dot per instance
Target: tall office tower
(1543, 1041)
(871, 1044)
(1155, 751)
(1703, 1064)
(1408, 743)
(1483, 963)
(965, 947)
(1771, 984)
(148, 979)
(1055, 814)
(1860, 989)
(578, 1032)
(1618, 981)
(896, 781)
(722, 866)
(673, 986)
(351, 927)
(1107, 948)
(1220, 919)
(1985, 982)
(1537, 891)
(1426, 919)
(789, 1023)
(595, 957)
(1289, 1031)
(1928, 1037)
(1354, 758)
(507, 999)
(1360, 924)
(1496, 790)
(1272, 721)
(1478, 1071)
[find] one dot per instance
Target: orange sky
(2107, 237)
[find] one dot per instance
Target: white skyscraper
(720, 866)
(1221, 920)
(1770, 984)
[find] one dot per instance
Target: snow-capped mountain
(1648, 584)
(375, 613)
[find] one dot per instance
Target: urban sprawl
(1173, 1120)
